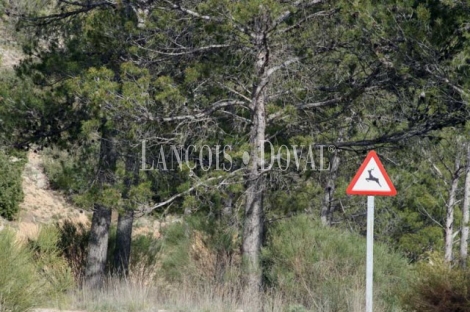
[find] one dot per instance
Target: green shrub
(144, 251)
(11, 191)
(324, 268)
(438, 287)
(19, 286)
(30, 277)
(73, 243)
(70, 170)
(52, 266)
(175, 251)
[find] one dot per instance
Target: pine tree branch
(353, 94)
(446, 81)
(400, 136)
(193, 51)
(307, 18)
(188, 11)
(179, 195)
(84, 8)
(215, 107)
(175, 197)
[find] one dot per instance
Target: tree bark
(98, 247)
(465, 213)
(227, 209)
(327, 208)
(122, 250)
(253, 234)
(255, 183)
(449, 230)
(98, 244)
(227, 222)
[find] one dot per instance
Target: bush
(29, 277)
(324, 268)
(439, 288)
(48, 258)
(19, 287)
(197, 250)
(65, 170)
(183, 253)
(11, 191)
(73, 244)
(174, 255)
(144, 250)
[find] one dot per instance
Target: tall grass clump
(73, 243)
(49, 260)
(438, 287)
(11, 191)
(174, 253)
(323, 269)
(30, 276)
(19, 287)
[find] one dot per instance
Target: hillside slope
(41, 205)
(10, 51)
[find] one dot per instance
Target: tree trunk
(255, 183)
(253, 234)
(122, 250)
(449, 230)
(227, 222)
(227, 209)
(327, 208)
(98, 247)
(101, 220)
(465, 213)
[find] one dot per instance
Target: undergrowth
(32, 274)
(307, 268)
(438, 287)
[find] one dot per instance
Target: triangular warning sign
(371, 179)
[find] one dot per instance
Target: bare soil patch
(41, 205)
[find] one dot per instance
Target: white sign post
(370, 253)
(371, 179)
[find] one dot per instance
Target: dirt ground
(41, 205)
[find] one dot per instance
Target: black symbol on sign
(372, 178)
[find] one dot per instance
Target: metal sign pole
(370, 253)
(371, 179)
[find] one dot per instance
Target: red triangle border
(391, 192)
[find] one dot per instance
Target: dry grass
(27, 231)
(129, 295)
(55, 310)
(144, 291)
